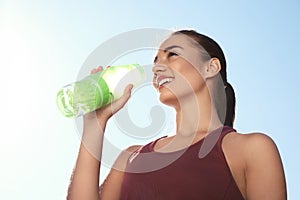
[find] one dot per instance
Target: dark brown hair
(215, 51)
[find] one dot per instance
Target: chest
(180, 175)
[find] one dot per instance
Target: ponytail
(230, 108)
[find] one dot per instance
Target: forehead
(187, 48)
(179, 40)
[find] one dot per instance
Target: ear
(212, 68)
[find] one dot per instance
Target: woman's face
(178, 69)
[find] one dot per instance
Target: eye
(170, 54)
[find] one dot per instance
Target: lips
(161, 80)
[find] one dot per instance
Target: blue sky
(43, 45)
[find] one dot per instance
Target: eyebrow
(172, 47)
(168, 49)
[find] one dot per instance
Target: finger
(119, 103)
(100, 68)
(110, 109)
(93, 71)
(127, 91)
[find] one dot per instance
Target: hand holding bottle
(98, 89)
(105, 112)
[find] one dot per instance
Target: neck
(196, 116)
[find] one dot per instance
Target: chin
(168, 98)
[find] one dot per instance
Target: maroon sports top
(183, 174)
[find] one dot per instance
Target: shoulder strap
(213, 139)
(225, 131)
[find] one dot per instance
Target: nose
(158, 68)
(160, 62)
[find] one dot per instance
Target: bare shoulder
(263, 163)
(253, 147)
(128, 151)
(133, 148)
(259, 147)
(251, 141)
(256, 165)
(122, 159)
(256, 137)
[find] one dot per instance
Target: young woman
(206, 158)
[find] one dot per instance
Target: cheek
(185, 84)
(197, 78)
(191, 76)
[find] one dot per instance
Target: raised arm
(84, 183)
(264, 170)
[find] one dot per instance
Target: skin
(253, 158)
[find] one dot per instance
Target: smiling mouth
(162, 81)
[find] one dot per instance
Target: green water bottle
(97, 90)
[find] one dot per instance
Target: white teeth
(163, 81)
